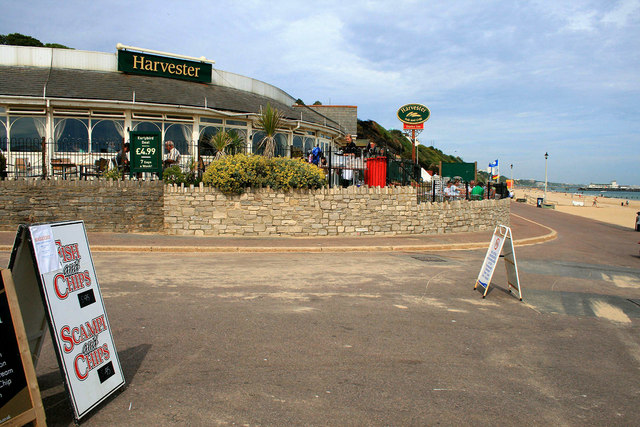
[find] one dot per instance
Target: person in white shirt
(173, 155)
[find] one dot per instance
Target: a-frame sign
(501, 245)
(20, 401)
(57, 286)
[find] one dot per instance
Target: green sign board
(153, 65)
(412, 114)
(466, 171)
(146, 152)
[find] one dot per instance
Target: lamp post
(544, 198)
(512, 183)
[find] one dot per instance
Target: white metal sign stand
(501, 243)
(75, 312)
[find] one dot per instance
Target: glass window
(238, 141)
(257, 145)
(25, 133)
(71, 135)
(205, 148)
(281, 145)
(235, 123)
(259, 142)
(180, 134)
(147, 126)
(297, 149)
(237, 145)
(3, 133)
(210, 120)
(308, 145)
(106, 136)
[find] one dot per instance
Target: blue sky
(503, 79)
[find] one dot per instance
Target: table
(63, 167)
(88, 170)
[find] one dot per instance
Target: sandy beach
(607, 210)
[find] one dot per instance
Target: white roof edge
(45, 57)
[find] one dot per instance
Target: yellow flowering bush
(233, 174)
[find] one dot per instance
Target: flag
(494, 164)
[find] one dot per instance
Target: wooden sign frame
(26, 405)
(501, 246)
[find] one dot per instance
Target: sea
(623, 195)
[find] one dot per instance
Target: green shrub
(173, 175)
(113, 174)
(233, 174)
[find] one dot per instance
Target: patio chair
(23, 167)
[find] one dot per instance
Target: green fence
(402, 172)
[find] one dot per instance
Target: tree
(17, 39)
(299, 101)
(220, 141)
(237, 144)
(270, 120)
(317, 103)
(56, 45)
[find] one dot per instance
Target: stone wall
(132, 206)
(325, 212)
(120, 206)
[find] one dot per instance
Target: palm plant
(270, 120)
(220, 141)
(237, 143)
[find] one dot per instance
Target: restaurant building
(85, 103)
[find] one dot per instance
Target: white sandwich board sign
(501, 243)
(74, 310)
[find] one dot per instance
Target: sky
(507, 80)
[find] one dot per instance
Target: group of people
(123, 158)
(454, 190)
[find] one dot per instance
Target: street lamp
(544, 199)
(512, 183)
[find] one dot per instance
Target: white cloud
(624, 11)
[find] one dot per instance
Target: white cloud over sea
(506, 80)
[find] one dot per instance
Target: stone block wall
(117, 206)
(325, 212)
(133, 206)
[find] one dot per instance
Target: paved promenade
(368, 330)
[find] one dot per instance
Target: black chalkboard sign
(19, 395)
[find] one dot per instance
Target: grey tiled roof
(115, 86)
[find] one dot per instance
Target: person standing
(173, 155)
(477, 192)
(316, 155)
(123, 159)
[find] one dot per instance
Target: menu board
(14, 393)
(146, 152)
(77, 317)
(19, 394)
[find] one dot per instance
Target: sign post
(501, 235)
(146, 152)
(413, 117)
(74, 308)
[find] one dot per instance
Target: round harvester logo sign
(412, 114)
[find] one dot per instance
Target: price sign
(146, 152)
